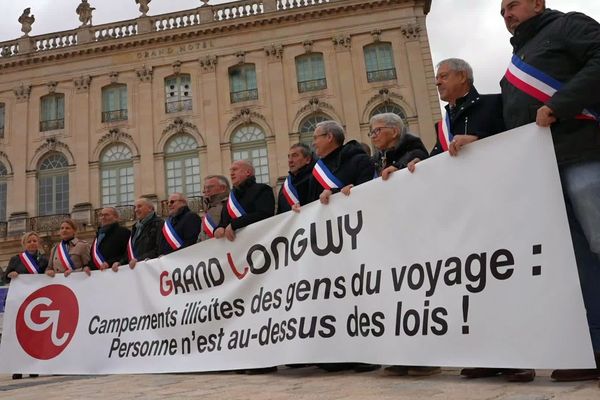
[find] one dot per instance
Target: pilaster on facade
(208, 63)
(274, 52)
(342, 42)
(22, 93)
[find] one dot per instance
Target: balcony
(115, 115)
(178, 106)
(47, 223)
(381, 75)
(52, 125)
(312, 85)
(244, 95)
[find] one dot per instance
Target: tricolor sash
(29, 262)
(234, 208)
(171, 236)
(537, 84)
(289, 191)
(64, 256)
(96, 255)
(208, 225)
(445, 135)
(130, 251)
(325, 177)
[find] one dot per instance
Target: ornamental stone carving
(246, 116)
(274, 52)
(308, 46)
(51, 144)
(176, 67)
(144, 74)
(114, 77)
(208, 63)
(26, 20)
(241, 57)
(144, 8)
(314, 105)
(342, 42)
(376, 35)
(411, 31)
(22, 92)
(52, 86)
(179, 126)
(385, 96)
(84, 11)
(82, 84)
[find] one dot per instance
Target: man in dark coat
(348, 163)
(249, 201)
(300, 162)
(181, 228)
(110, 245)
(563, 51)
(145, 233)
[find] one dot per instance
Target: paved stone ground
(297, 384)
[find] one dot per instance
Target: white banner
(466, 262)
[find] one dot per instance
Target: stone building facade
(99, 115)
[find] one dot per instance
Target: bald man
(182, 226)
(248, 202)
(110, 245)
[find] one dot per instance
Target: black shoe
(474, 373)
(17, 376)
(336, 367)
(33, 375)
(520, 375)
(360, 367)
(260, 371)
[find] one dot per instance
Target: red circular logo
(47, 321)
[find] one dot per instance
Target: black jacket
(301, 181)
(113, 246)
(475, 114)
(15, 264)
(408, 148)
(566, 47)
(187, 225)
(147, 245)
(258, 201)
(349, 163)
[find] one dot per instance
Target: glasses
(316, 136)
(174, 201)
(377, 131)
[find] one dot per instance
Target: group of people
(553, 80)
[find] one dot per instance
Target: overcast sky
(469, 29)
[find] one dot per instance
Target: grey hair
(146, 201)
(248, 164)
(181, 196)
(221, 179)
(114, 210)
(389, 119)
(336, 130)
(304, 149)
(458, 65)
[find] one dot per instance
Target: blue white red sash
(29, 262)
(130, 252)
(445, 135)
(325, 177)
(234, 208)
(208, 225)
(171, 236)
(537, 84)
(96, 255)
(64, 256)
(289, 191)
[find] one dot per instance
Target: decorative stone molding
(115, 135)
(342, 42)
(51, 144)
(208, 63)
(376, 35)
(22, 93)
(241, 57)
(52, 86)
(314, 105)
(82, 84)
(4, 159)
(246, 116)
(385, 96)
(308, 46)
(411, 31)
(114, 77)
(179, 126)
(274, 52)
(176, 67)
(144, 74)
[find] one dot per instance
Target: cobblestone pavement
(297, 384)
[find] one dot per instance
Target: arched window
(242, 83)
(310, 70)
(53, 185)
(307, 127)
(390, 108)
(178, 93)
(379, 61)
(52, 114)
(3, 174)
(116, 168)
(114, 103)
(248, 143)
(182, 166)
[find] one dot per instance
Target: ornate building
(101, 114)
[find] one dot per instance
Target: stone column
(146, 184)
(17, 200)
(79, 185)
(210, 109)
(346, 78)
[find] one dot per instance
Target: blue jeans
(581, 187)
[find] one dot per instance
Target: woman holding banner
(70, 254)
(30, 261)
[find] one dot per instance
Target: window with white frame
(248, 142)
(52, 116)
(116, 176)
(178, 93)
(114, 102)
(242, 83)
(379, 61)
(307, 127)
(182, 166)
(53, 185)
(310, 70)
